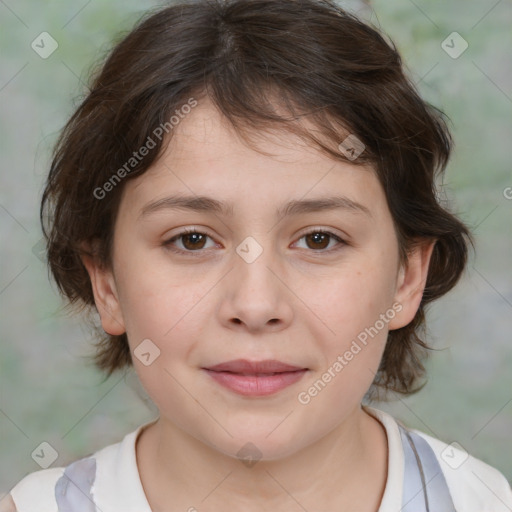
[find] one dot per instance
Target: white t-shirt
(424, 475)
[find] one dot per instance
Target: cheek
(349, 299)
(168, 314)
(357, 310)
(159, 305)
(355, 307)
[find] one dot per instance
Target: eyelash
(169, 243)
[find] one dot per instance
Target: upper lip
(251, 367)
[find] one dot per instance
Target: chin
(253, 445)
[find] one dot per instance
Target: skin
(301, 302)
(7, 504)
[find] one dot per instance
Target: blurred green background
(48, 391)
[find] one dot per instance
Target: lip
(255, 378)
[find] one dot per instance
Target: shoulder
(474, 484)
(37, 488)
(82, 484)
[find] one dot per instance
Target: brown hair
(311, 57)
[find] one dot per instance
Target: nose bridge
(252, 262)
(255, 296)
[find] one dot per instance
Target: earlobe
(105, 296)
(411, 281)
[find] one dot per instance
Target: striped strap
(73, 489)
(425, 487)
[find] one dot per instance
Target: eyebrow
(293, 207)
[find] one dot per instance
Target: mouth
(255, 378)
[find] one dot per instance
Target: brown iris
(197, 240)
(318, 238)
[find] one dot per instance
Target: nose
(255, 297)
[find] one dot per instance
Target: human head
(264, 64)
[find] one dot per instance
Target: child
(247, 197)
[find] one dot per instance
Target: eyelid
(323, 229)
(187, 230)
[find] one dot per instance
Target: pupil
(318, 238)
(195, 237)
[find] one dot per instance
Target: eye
(190, 239)
(318, 240)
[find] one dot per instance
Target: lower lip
(252, 385)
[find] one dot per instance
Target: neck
(346, 466)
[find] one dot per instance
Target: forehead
(207, 157)
(207, 127)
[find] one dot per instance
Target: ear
(105, 295)
(411, 281)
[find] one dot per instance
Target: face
(294, 259)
